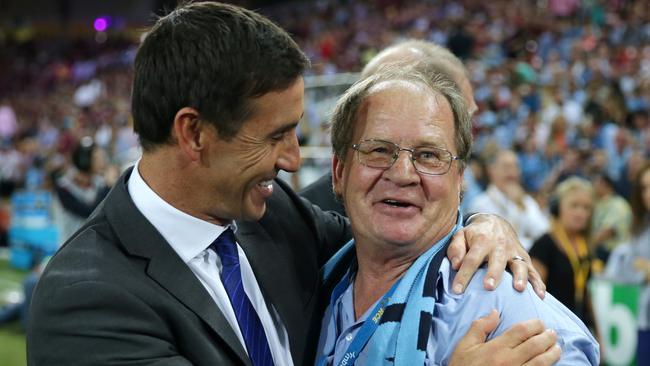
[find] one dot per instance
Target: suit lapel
(279, 288)
(165, 267)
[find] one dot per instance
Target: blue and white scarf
(403, 332)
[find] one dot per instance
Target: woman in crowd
(563, 253)
(641, 224)
(641, 250)
(630, 263)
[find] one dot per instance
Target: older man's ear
(461, 184)
(337, 177)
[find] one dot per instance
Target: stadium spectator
(562, 255)
(641, 226)
(8, 121)
(12, 169)
(630, 262)
(612, 218)
(81, 187)
(506, 197)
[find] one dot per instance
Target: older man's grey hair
(345, 116)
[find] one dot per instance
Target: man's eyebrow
(288, 127)
(434, 141)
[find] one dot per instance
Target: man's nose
(289, 158)
(403, 171)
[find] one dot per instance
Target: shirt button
(348, 337)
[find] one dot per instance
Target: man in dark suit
(198, 255)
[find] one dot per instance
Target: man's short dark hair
(214, 58)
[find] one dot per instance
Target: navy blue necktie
(249, 323)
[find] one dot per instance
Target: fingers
(457, 249)
(550, 357)
(490, 322)
(478, 331)
(519, 271)
(513, 248)
(523, 271)
(520, 333)
(473, 259)
(496, 267)
(501, 245)
(535, 346)
(535, 279)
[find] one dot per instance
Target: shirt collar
(187, 235)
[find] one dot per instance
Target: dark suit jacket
(321, 194)
(116, 293)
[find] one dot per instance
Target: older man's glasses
(383, 154)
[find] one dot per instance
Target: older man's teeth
(395, 203)
(266, 184)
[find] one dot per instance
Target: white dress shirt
(190, 238)
(530, 222)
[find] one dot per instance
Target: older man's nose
(403, 172)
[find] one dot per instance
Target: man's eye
(277, 137)
(429, 155)
(380, 150)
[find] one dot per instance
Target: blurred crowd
(61, 102)
(563, 89)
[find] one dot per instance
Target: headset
(554, 205)
(561, 189)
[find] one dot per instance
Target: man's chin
(398, 238)
(255, 213)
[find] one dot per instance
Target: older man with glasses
(413, 52)
(400, 139)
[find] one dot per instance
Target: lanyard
(578, 257)
(369, 325)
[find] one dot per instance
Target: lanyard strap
(578, 258)
(369, 326)
(367, 329)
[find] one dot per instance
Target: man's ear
(461, 178)
(189, 132)
(337, 176)
(461, 184)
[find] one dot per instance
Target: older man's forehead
(392, 103)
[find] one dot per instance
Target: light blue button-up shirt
(453, 315)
